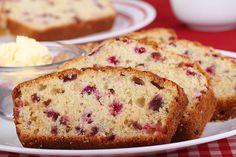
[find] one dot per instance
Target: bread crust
(64, 32)
(226, 109)
(85, 142)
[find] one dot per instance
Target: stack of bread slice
(222, 70)
(154, 86)
(149, 56)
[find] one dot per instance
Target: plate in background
(131, 16)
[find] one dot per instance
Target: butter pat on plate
(24, 52)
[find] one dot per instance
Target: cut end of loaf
(112, 106)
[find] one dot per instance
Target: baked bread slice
(147, 56)
(156, 34)
(97, 108)
(58, 20)
(221, 70)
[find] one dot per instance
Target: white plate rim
(149, 10)
(125, 151)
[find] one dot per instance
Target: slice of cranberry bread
(97, 108)
(221, 70)
(58, 20)
(157, 34)
(147, 56)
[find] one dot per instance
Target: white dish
(206, 15)
(213, 131)
(131, 16)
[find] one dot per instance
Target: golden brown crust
(83, 142)
(62, 32)
(226, 109)
(57, 142)
(202, 112)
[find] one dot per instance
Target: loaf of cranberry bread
(221, 70)
(58, 19)
(147, 56)
(97, 108)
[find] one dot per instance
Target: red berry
(156, 103)
(52, 114)
(94, 131)
(47, 102)
(189, 72)
(156, 56)
(149, 127)
(89, 90)
(140, 50)
(113, 60)
(211, 69)
(115, 108)
(54, 130)
(79, 130)
(35, 98)
(155, 128)
(64, 120)
(137, 126)
(183, 64)
(87, 117)
(69, 77)
(111, 137)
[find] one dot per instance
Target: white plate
(213, 131)
(132, 15)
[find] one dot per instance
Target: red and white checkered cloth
(225, 147)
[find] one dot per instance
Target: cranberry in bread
(97, 108)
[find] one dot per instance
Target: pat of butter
(24, 52)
